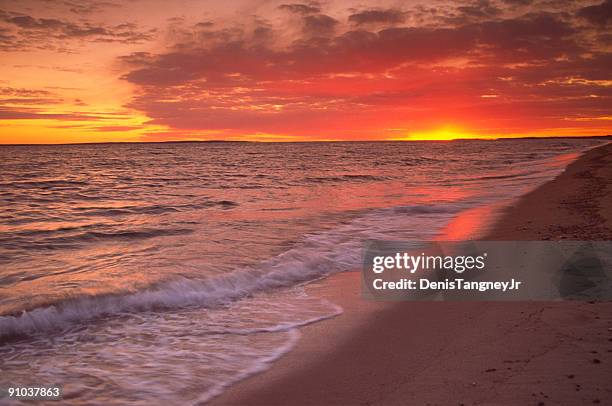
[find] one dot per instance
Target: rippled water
(169, 271)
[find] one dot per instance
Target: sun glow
(446, 133)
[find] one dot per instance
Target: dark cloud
(319, 24)
(11, 96)
(204, 24)
(600, 14)
(22, 92)
(44, 33)
(535, 36)
(480, 9)
(89, 7)
(7, 38)
(301, 8)
(378, 16)
(28, 22)
(137, 58)
(529, 39)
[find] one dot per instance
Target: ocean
(139, 273)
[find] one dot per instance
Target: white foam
(197, 352)
(265, 363)
(318, 255)
(260, 366)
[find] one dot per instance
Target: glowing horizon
(103, 71)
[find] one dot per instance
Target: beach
(445, 353)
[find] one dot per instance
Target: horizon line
(527, 137)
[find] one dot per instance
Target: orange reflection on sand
(564, 159)
(470, 224)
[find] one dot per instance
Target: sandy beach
(448, 353)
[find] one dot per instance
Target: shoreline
(572, 206)
(461, 352)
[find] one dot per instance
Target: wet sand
(445, 353)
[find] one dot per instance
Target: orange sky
(146, 70)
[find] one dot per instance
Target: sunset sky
(148, 70)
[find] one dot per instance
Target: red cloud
(337, 82)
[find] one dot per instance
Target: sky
(261, 70)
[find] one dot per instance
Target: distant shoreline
(603, 137)
(573, 206)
